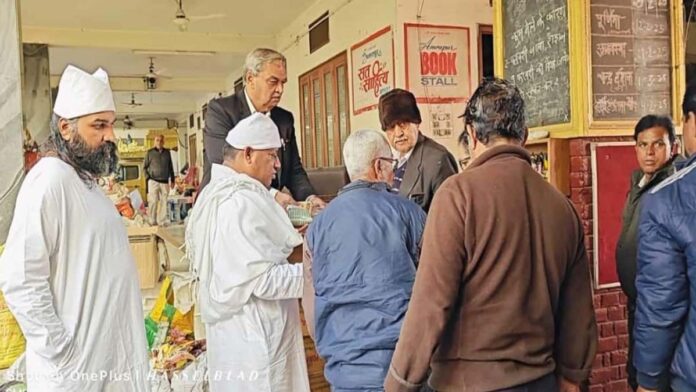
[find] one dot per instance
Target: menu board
(536, 57)
(631, 58)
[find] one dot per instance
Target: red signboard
(612, 165)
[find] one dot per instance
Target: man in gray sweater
(159, 172)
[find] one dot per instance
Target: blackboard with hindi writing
(536, 57)
(631, 59)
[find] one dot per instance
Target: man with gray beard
(67, 272)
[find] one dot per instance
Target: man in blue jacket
(656, 153)
(360, 265)
(665, 326)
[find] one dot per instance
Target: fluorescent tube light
(173, 52)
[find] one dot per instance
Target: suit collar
(414, 169)
(250, 104)
(243, 105)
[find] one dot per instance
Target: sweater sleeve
(217, 125)
(146, 165)
(438, 281)
(308, 294)
(282, 281)
(576, 331)
(298, 183)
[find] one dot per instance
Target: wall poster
(438, 64)
(372, 67)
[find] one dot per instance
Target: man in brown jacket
(502, 299)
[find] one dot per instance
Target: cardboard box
(143, 243)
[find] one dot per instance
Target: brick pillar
(608, 370)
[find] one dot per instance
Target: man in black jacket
(264, 78)
(656, 153)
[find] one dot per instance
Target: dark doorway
(485, 51)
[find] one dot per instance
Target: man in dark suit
(423, 163)
(265, 77)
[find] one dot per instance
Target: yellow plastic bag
(158, 307)
(12, 343)
(164, 311)
(183, 322)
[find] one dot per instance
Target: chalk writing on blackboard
(631, 53)
(536, 58)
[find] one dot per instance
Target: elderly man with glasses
(360, 263)
(423, 164)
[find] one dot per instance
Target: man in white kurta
(239, 239)
(67, 272)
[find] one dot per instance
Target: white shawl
(273, 224)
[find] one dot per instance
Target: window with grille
(325, 117)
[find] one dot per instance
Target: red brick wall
(609, 368)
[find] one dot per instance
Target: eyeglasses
(393, 162)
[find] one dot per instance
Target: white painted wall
(185, 130)
(352, 22)
(357, 19)
(466, 13)
(142, 127)
(135, 133)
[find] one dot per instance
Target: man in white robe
(67, 272)
(238, 241)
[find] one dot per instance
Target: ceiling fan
(150, 78)
(132, 102)
(182, 21)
